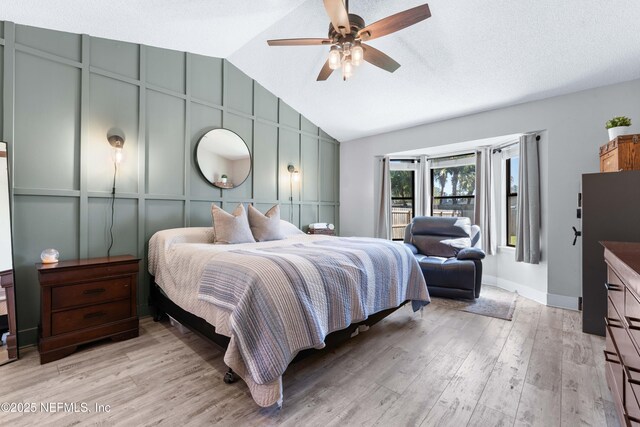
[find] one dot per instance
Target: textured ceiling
(469, 56)
(208, 27)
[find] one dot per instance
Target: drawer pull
(613, 287)
(94, 291)
(631, 418)
(627, 372)
(94, 314)
(610, 353)
(609, 322)
(631, 320)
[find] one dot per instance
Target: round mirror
(223, 158)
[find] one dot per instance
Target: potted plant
(223, 179)
(618, 126)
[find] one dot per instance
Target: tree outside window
(402, 201)
(453, 191)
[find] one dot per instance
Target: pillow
(287, 229)
(265, 227)
(231, 227)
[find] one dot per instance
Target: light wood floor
(446, 368)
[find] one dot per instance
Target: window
(453, 186)
(403, 196)
(512, 168)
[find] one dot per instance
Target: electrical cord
(113, 201)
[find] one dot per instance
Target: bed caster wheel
(230, 377)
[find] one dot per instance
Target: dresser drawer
(624, 346)
(613, 363)
(84, 273)
(615, 290)
(90, 293)
(80, 318)
(631, 395)
(632, 315)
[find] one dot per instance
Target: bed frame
(161, 306)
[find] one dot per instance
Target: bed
(270, 302)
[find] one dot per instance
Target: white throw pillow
(231, 227)
(288, 229)
(265, 227)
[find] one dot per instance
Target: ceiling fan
(348, 31)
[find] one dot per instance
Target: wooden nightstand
(322, 231)
(86, 300)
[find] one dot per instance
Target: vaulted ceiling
(468, 57)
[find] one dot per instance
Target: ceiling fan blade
(325, 72)
(379, 59)
(298, 42)
(338, 15)
(396, 22)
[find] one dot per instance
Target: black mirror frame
(195, 158)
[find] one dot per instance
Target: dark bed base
(162, 305)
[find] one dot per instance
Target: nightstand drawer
(81, 318)
(84, 273)
(90, 293)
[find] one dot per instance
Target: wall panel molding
(161, 187)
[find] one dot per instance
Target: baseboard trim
(508, 285)
(563, 301)
(27, 337)
(552, 300)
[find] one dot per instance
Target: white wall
(575, 129)
(239, 170)
(213, 165)
(531, 280)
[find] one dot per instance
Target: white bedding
(177, 258)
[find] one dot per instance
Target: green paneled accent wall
(62, 92)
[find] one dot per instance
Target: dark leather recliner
(449, 254)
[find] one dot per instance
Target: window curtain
(423, 188)
(528, 217)
(485, 197)
(383, 206)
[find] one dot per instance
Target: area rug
(493, 302)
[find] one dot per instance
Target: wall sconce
(116, 140)
(294, 176)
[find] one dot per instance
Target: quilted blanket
(286, 299)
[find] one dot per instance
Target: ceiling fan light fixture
(347, 69)
(346, 48)
(357, 54)
(347, 34)
(334, 57)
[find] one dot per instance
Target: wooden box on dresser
(86, 300)
(621, 153)
(322, 231)
(622, 350)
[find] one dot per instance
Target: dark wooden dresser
(86, 300)
(622, 351)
